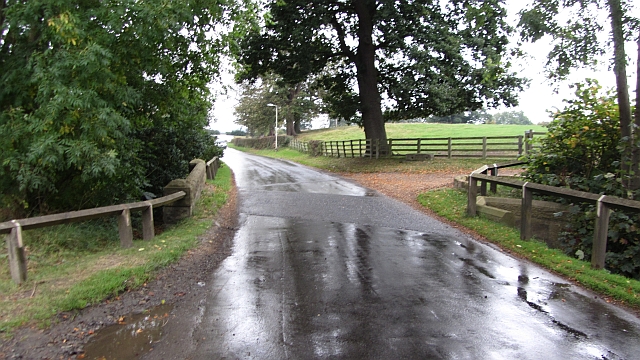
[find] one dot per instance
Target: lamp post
(276, 128)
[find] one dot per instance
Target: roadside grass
(72, 266)
(365, 165)
(404, 131)
(451, 204)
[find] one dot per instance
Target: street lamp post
(276, 128)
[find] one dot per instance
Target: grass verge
(451, 204)
(72, 266)
(365, 165)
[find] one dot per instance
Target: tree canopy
(100, 100)
(297, 105)
(575, 27)
(414, 58)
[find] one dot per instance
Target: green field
(403, 131)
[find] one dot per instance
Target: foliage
(296, 105)
(582, 152)
(85, 87)
(265, 142)
(428, 58)
(576, 28)
(238, 132)
(511, 118)
(469, 117)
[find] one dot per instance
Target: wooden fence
(15, 245)
(604, 205)
(482, 146)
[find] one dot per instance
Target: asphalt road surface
(323, 268)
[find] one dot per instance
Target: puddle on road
(131, 338)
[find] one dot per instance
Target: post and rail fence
(17, 255)
(605, 204)
(481, 146)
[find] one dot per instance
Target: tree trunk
(293, 93)
(634, 181)
(368, 76)
(620, 70)
(296, 125)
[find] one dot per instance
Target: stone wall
(192, 186)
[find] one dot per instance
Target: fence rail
(605, 205)
(480, 146)
(17, 256)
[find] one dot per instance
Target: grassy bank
(399, 131)
(451, 204)
(365, 165)
(72, 266)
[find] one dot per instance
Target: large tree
(297, 105)
(575, 27)
(418, 58)
(101, 100)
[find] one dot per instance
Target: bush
(582, 151)
(265, 142)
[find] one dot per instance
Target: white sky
(534, 101)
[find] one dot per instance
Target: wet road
(322, 268)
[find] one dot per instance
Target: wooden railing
(604, 204)
(15, 245)
(482, 146)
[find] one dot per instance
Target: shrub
(582, 151)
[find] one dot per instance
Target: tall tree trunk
(293, 93)
(634, 183)
(296, 125)
(620, 70)
(367, 75)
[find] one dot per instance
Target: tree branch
(341, 38)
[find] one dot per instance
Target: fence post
(484, 148)
(124, 229)
(344, 148)
(483, 185)
(525, 213)
(449, 148)
(360, 146)
(17, 256)
(528, 137)
(390, 147)
(471, 195)
(148, 232)
(419, 143)
(519, 145)
(599, 249)
(377, 149)
(494, 172)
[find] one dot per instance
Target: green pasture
(413, 130)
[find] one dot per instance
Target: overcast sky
(534, 102)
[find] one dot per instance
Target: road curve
(322, 268)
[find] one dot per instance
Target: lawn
(403, 131)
